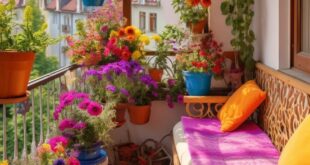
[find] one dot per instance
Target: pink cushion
(209, 145)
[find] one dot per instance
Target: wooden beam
(127, 11)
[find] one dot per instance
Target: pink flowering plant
(82, 121)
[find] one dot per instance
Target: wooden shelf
(15, 99)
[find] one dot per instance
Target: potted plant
(239, 16)
(85, 125)
(168, 40)
(18, 44)
(193, 12)
(124, 82)
(87, 46)
(199, 66)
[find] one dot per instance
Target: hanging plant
(239, 15)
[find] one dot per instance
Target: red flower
(205, 3)
(202, 53)
(217, 69)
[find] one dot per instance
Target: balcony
(152, 3)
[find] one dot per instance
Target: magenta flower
(54, 141)
(73, 161)
(66, 124)
(171, 82)
(180, 98)
(110, 88)
(79, 126)
(84, 104)
(94, 109)
(124, 92)
(169, 101)
(155, 94)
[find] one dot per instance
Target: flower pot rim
(191, 72)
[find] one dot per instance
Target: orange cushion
(240, 106)
(297, 149)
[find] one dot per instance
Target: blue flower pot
(92, 156)
(197, 84)
(93, 2)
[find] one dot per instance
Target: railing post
(15, 136)
(33, 143)
(41, 116)
(4, 133)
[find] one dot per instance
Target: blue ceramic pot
(93, 2)
(197, 84)
(92, 156)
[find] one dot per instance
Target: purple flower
(124, 92)
(171, 82)
(79, 126)
(155, 94)
(84, 104)
(110, 88)
(59, 162)
(180, 98)
(68, 100)
(66, 124)
(56, 115)
(94, 109)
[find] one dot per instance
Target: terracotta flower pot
(156, 74)
(198, 27)
(139, 114)
(15, 69)
(120, 114)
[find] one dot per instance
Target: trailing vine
(239, 15)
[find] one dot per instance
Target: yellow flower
(138, 32)
(136, 55)
(145, 39)
(130, 30)
(59, 148)
(157, 38)
(5, 162)
(113, 34)
(46, 147)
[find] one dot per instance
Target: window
(153, 22)
(300, 34)
(142, 21)
(55, 20)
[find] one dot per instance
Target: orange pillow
(297, 149)
(240, 106)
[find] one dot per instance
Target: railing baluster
(41, 116)
(4, 133)
(24, 155)
(15, 136)
(48, 114)
(33, 144)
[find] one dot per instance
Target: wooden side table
(204, 106)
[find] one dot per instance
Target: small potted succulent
(193, 12)
(199, 66)
(18, 44)
(84, 125)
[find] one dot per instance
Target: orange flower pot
(156, 74)
(15, 69)
(120, 114)
(198, 27)
(139, 114)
